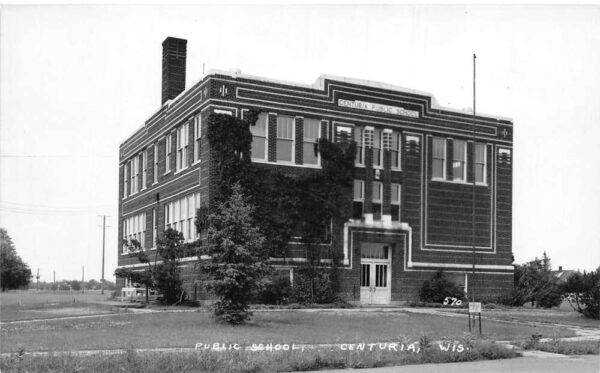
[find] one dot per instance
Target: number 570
(452, 301)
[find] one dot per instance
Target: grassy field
(185, 329)
(246, 361)
(552, 316)
(27, 305)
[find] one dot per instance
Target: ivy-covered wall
(286, 204)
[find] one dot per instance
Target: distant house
(421, 172)
(563, 275)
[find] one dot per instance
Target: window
(135, 173)
(154, 228)
(459, 160)
(180, 215)
(182, 147)
(197, 137)
(377, 153)
(144, 168)
(155, 164)
(285, 139)
(343, 133)
(388, 143)
(168, 153)
(374, 252)
(396, 153)
(369, 143)
(259, 138)
(311, 135)
(134, 228)
(360, 154)
(377, 198)
(386, 139)
(438, 159)
(395, 202)
(480, 163)
(125, 179)
(359, 199)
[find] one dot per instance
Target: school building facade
(426, 177)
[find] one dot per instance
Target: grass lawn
(553, 316)
(185, 329)
(27, 305)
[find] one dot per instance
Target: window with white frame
(459, 160)
(377, 199)
(438, 158)
(125, 179)
(343, 133)
(395, 201)
(197, 137)
(396, 151)
(285, 139)
(480, 163)
(168, 153)
(182, 147)
(155, 176)
(386, 140)
(134, 228)
(135, 173)
(180, 215)
(377, 153)
(259, 138)
(358, 200)
(360, 154)
(144, 168)
(312, 132)
(154, 228)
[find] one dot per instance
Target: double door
(375, 278)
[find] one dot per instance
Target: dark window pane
(357, 210)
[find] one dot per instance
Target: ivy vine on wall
(305, 204)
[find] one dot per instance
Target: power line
(53, 156)
(33, 209)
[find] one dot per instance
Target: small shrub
(313, 285)
(425, 342)
(438, 288)
(533, 342)
(278, 291)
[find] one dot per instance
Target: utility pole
(474, 179)
(104, 226)
(55, 280)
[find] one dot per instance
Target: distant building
(563, 275)
(413, 187)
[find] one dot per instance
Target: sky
(75, 81)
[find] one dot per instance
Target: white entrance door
(375, 274)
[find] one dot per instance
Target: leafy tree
(583, 293)
(438, 288)
(535, 283)
(238, 262)
(92, 284)
(162, 271)
(14, 272)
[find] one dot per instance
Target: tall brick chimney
(173, 67)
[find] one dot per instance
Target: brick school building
(425, 176)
